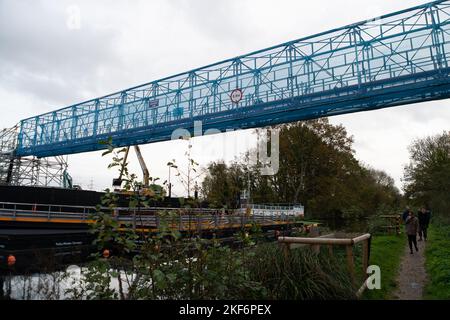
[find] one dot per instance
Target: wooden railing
(393, 223)
(330, 241)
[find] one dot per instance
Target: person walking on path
(424, 220)
(412, 227)
(405, 213)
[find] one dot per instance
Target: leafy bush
(168, 266)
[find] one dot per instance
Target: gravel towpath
(412, 276)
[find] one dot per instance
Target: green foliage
(317, 169)
(438, 261)
(376, 224)
(223, 184)
(95, 283)
(166, 265)
(386, 252)
(427, 177)
(190, 175)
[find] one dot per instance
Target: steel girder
(397, 59)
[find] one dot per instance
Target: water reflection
(40, 286)
(54, 285)
(346, 225)
(48, 286)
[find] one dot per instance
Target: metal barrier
(180, 218)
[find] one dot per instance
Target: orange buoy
(11, 260)
(106, 253)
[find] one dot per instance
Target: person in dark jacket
(424, 221)
(405, 213)
(412, 227)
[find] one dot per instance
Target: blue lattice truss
(397, 59)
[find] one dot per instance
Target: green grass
(302, 276)
(386, 252)
(438, 262)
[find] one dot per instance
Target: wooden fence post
(365, 257)
(330, 241)
(315, 233)
(286, 250)
(350, 262)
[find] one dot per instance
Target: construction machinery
(145, 189)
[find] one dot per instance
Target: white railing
(183, 218)
(277, 210)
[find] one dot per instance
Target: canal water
(346, 225)
(48, 286)
(53, 286)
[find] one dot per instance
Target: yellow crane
(146, 175)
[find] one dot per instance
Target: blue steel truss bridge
(397, 59)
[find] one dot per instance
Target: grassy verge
(303, 276)
(438, 262)
(386, 252)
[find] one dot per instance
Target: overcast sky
(51, 57)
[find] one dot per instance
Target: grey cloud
(40, 56)
(44, 65)
(216, 19)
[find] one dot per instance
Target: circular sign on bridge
(236, 96)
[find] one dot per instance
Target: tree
(223, 184)
(427, 176)
(317, 169)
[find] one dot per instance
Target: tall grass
(438, 261)
(386, 252)
(303, 275)
(258, 272)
